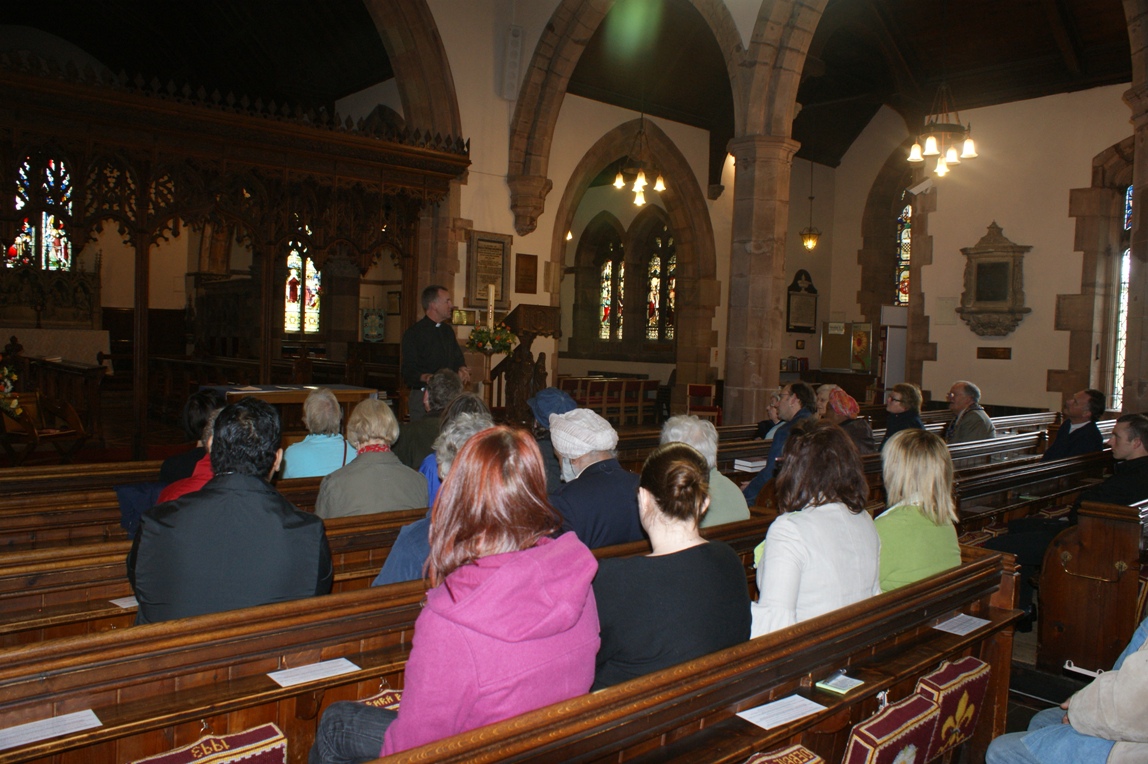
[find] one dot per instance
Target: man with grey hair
(409, 553)
(599, 500)
(416, 437)
(727, 503)
(972, 423)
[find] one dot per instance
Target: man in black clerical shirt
(429, 345)
(235, 543)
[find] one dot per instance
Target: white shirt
(816, 560)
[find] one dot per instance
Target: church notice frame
(488, 262)
(801, 306)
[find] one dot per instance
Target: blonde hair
(372, 420)
(918, 470)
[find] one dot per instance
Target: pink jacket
(505, 635)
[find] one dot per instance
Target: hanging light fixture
(943, 134)
(637, 162)
(810, 235)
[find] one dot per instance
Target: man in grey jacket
(972, 423)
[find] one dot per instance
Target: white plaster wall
(359, 105)
(1032, 153)
(820, 262)
(169, 263)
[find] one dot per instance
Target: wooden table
(289, 400)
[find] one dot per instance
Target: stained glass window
(904, 253)
(611, 286)
(661, 284)
(303, 291)
(1120, 354)
(43, 198)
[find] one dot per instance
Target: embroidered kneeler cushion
(900, 733)
(958, 688)
(264, 744)
(388, 699)
(794, 754)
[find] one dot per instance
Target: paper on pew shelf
(781, 712)
(125, 602)
(22, 734)
(309, 673)
(961, 624)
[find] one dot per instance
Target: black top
(601, 505)
(180, 466)
(426, 348)
(235, 543)
(656, 612)
(1084, 440)
(905, 420)
(1127, 486)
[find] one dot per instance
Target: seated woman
(917, 534)
(510, 625)
(324, 450)
(842, 410)
(773, 421)
(686, 599)
(904, 407)
(467, 403)
(376, 481)
(201, 405)
(822, 553)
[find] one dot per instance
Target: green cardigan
(912, 547)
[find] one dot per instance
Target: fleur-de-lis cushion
(958, 688)
(897, 734)
(794, 754)
(264, 744)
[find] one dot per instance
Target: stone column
(1135, 378)
(757, 273)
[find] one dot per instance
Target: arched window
(661, 284)
(1120, 353)
(611, 288)
(43, 200)
(303, 289)
(904, 253)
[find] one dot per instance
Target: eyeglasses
(784, 395)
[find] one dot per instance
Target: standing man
(429, 345)
(1079, 433)
(797, 402)
(972, 423)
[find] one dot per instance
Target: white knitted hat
(578, 432)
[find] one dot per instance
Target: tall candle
(490, 306)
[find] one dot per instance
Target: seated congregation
(520, 613)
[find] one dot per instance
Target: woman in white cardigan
(823, 552)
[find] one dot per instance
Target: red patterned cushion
(388, 699)
(794, 754)
(259, 745)
(958, 688)
(899, 733)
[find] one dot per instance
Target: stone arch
(771, 73)
(1089, 316)
(544, 87)
(426, 88)
(688, 213)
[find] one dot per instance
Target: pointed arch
(688, 214)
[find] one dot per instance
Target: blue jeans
(1010, 749)
(350, 733)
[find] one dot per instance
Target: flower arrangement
(497, 340)
(8, 403)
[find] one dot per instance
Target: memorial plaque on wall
(488, 257)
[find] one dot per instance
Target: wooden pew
(158, 686)
(687, 713)
(1090, 601)
(50, 594)
(217, 662)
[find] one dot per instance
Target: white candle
(490, 306)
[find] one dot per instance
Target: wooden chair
(42, 420)
(700, 402)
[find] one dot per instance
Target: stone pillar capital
(764, 147)
(1137, 99)
(528, 200)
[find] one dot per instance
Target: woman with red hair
(510, 624)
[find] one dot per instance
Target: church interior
(700, 201)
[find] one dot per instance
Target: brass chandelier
(942, 134)
(637, 162)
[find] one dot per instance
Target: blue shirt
(408, 554)
(316, 456)
(760, 479)
(429, 470)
